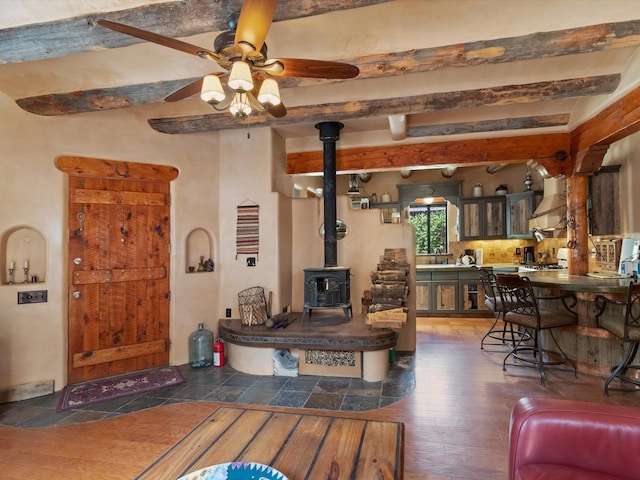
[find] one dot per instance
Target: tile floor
(227, 385)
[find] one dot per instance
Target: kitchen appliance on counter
(540, 267)
(629, 256)
(529, 255)
(469, 257)
(563, 257)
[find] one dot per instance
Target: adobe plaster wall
(33, 338)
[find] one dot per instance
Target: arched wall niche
(23, 247)
(199, 248)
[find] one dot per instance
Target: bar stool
(627, 330)
(522, 309)
(502, 333)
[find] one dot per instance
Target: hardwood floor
(456, 420)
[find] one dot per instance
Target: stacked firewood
(389, 291)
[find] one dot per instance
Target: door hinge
(168, 296)
(169, 199)
(169, 247)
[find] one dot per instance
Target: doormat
(79, 395)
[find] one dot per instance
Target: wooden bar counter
(594, 349)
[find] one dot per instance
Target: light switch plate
(34, 296)
(251, 262)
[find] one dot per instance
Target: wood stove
(328, 287)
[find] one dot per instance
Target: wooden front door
(119, 248)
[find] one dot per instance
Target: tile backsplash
(502, 251)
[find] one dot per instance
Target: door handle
(77, 294)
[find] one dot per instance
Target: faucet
(437, 252)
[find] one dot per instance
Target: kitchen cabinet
(603, 204)
(483, 218)
(449, 292)
(444, 286)
(519, 211)
(471, 293)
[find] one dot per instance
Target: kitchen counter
(560, 279)
(452, 267)
(439, 267)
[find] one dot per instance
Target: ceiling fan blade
(162, 40)
(255, 20)
(185, 92)
(296, 67)
(278, 111)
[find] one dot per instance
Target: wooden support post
(577, 231)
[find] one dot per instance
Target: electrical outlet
(517, 251)
(34, 296)
(227, 313)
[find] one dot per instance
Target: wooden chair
(624, 323)
(501, 331)
(522, 309)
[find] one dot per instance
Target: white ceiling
(393, 26)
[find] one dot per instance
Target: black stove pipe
(329, 134)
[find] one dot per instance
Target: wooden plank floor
(456, 420)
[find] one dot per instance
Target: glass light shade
(240, 107)
(240, 77)
(212, 91)
(269, 93)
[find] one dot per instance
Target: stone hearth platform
(249, 348)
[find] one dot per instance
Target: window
(429, 220)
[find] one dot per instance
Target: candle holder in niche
(24, 243)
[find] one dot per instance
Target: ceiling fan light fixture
(212, 91)
(240, 78)
(240, 107)
(269, 93)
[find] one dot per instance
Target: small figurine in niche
(208, 265)
(201, 264)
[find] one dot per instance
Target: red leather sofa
(552, 438)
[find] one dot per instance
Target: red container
(218, 353)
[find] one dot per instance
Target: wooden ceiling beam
(543, 149)
(590, 140)
(172, 19)
(491, 96)
(572, 41)
(483, 126)
(526, 47)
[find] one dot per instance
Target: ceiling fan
(242, 53)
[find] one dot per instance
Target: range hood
(552, 211)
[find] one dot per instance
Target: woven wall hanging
(247, 231)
